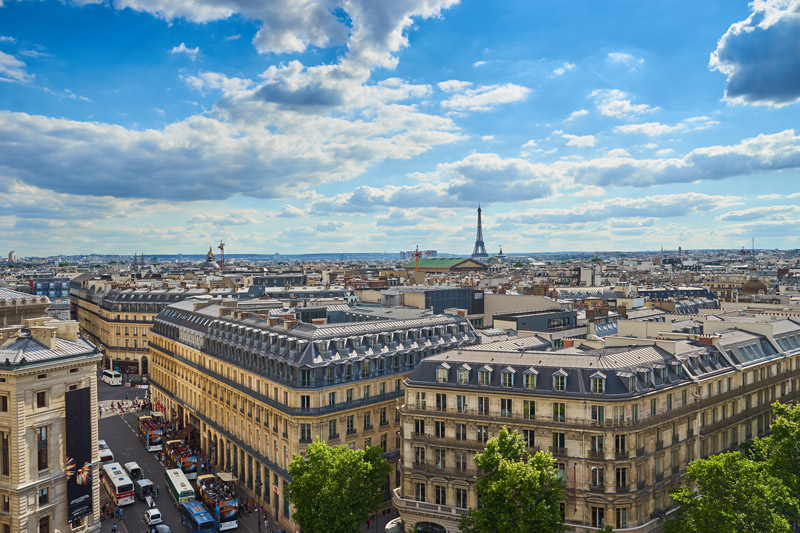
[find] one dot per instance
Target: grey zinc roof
(8, 294)
(25, 347)
(579, 365)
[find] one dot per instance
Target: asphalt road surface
(120, 432)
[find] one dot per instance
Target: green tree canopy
(734, 495)
(518, 492)
(780, 451)
(334, 490)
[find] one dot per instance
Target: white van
(133, 470)
(104, 452)
(112, 377)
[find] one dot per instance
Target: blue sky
(354, 125)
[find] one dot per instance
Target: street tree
(780, 451)
(733, 495)
(334, 490)
(517, 491)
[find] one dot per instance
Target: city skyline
(342, 127)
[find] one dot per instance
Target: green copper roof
(438, 262)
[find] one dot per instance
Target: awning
(186, 431)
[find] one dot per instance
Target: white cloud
(576, 114)
(655, 129)
(205, 157)
(759, 55)
(487, 137)
(234, 37)
(215, 80)
(779, 196)
(578, 140)
(616, 103)
(763, 153)
(660, 206)
(486, 98)
(775, 212)
(618, 152)
(183, 49)
(453, 85)
(664, 152)
(626, 59)
(7, 39)
(13, 70)
(479, 63)
(562, 69)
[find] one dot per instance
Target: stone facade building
(41, 362)
(622, 422)
(255, 389)
(117, 317)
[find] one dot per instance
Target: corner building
(117, 317)
(258, 389)
(622, 422)
(42, 361)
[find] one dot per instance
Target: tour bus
(151, 434)
(118, 485)
(112, 377)
(178, 486)
(196, 519)
(218, 495)
(179, 456)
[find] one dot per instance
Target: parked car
(161, 528)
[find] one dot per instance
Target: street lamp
(258, 492)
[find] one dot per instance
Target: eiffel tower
(479, 250)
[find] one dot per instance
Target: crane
(417, 254)
(221, 255)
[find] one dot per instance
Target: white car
(152, 517)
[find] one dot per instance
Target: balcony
(675, 469)
(640, 451)
(621, 454)
(597, 454)
(640, 485)
(597, 488)
(659, 476)
(623, 488)
(412, 506)
(659, 444)
(558, 450)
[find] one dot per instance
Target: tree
(334, 490)
(780, 451)
(517, 492)
(734, 494)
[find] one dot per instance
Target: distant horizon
(440, 255)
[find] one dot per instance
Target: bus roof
(197, 509)
(227, 477)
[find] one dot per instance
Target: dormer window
(529, 379)
(463, 376)
(648, 378)
(484, 377)
(664, 375)
(632, 383)
(560, 381)
(441, 374)
(507, 378)
(598, 383)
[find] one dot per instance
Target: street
(120, 432)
